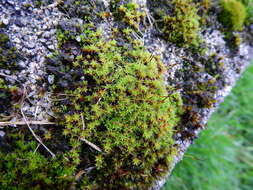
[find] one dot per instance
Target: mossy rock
(115, 119)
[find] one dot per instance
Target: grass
(222, 158)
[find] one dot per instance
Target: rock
(5, 21)
(10, 2)
(19, 23)
(50, 79)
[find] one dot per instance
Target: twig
(88, 142)
(150, 18)
(8, 76)
(91, 144)
(82, 121)
(36, 149)
(6, 123)
(36, 137)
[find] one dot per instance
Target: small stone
(50, 47)
(30, 45)
(39, 33)
(44, 27)
(22, 64)
(18, 22)
(2, 133)
(10, 2)
(43, 40)
(17, 40)
(251, 28)
(50, 79)
(78, 38)
(46, 34)
(5, 21)
(8, 72)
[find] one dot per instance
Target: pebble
(10, 2)
(50, 79)
(2, 133)
(5, 21)
(17, 40)
(51, 47)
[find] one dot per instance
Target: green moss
(8, 53)
(85, 9)
(178, 21)
(182, 26)
(114, 113)
(24, 168)
(8, 57)
(233, 14)
(128, 12)
(119, 102)
(249, 9)
(112, 96)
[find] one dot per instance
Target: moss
(204, 7)
(8, 53)
(128, 12)
(8, 58)
(233, 14)
(178, 21)
(116, 99)
(236, 40)
(249, 9)
(86, 10)
(114, 113)
(24, 168)
(182, 26)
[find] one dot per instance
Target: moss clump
(178, 21)
(116, 99)
(22, 167)
(85, 9)
(181, 26)
(249, 9)
(128, 12)
(233, 14)
(4, 97)
(8, 57)
(8, 53)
